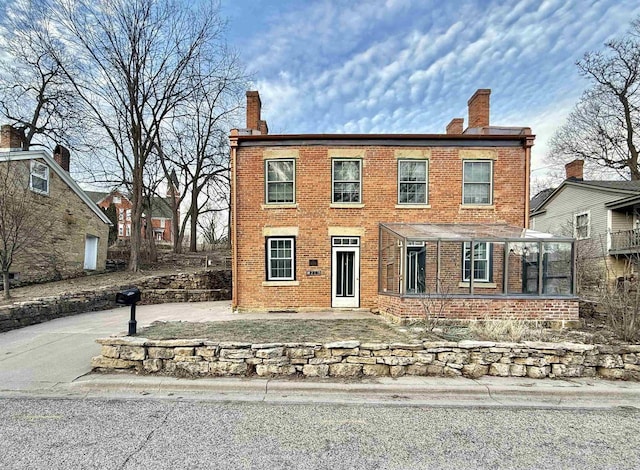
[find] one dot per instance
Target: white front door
(91, 252)
(345, 272)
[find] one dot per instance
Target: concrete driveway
(43, 356)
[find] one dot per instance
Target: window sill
(280, 283)
(346, 205)
(413, 206)
(279, 206)
(489, 207)
(479, 285)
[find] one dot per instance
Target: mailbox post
(130, 297)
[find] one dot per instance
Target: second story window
(581, 226)
(347, 181)
(39, 180)
(412, 182)
(477, 179)
(280, 181)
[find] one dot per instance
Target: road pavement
(169, 434)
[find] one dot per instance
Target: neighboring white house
(603, 215)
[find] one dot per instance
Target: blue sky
(403, 66)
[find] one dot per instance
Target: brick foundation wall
(474, 308)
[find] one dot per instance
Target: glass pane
(280, 192)
(346, 192)
(280, 171)
(413, 171)
(413, 193)
(477, 172)
(476, 193)
(346, 171)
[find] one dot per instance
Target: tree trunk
(136, 220)
(5, 284)
(193, 247)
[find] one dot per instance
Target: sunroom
(475, 271)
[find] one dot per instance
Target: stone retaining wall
(184, 287)
(196, 357)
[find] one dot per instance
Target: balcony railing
(625, 241)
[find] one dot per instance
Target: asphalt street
(170, 434)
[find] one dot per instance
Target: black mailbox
(128, 297)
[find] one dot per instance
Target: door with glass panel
(415, 265)
(345, 272)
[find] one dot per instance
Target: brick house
(161, 214)
(399, 224)
(76, 235)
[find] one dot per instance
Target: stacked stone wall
(202, 358)
(193, 287)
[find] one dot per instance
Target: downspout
(234, 232)
(528, 143)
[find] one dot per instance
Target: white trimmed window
(582, 225)
(128, 214)
(128, 230)
(280, 181)
(120, 230)
(116, 200)
(477, 181)
(412, 181)
(280, 259)
(482, 261)
(347, 181)
(39, 181)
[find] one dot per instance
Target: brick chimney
(254, 106)
(62, 157)
(478, 106)
(10, 138)
(575, 170)
(455, 126)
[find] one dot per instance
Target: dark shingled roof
(538, 199)
(161, 206)
(621, 185)
(627, 186)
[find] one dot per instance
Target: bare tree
(197, 149)
(22, 228)
(130, 61)
(604, 127)
(35, 96)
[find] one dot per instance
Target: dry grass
(510, 330)
(279, 331)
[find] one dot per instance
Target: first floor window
(280, 259)
(412, 182)
(477, 177)
(39, 182)
(581, 226)
(481, 258)
(347, 180)
(120, 230)
(280, 178)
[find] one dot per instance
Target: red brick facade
(312, 218)
(162, 226)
